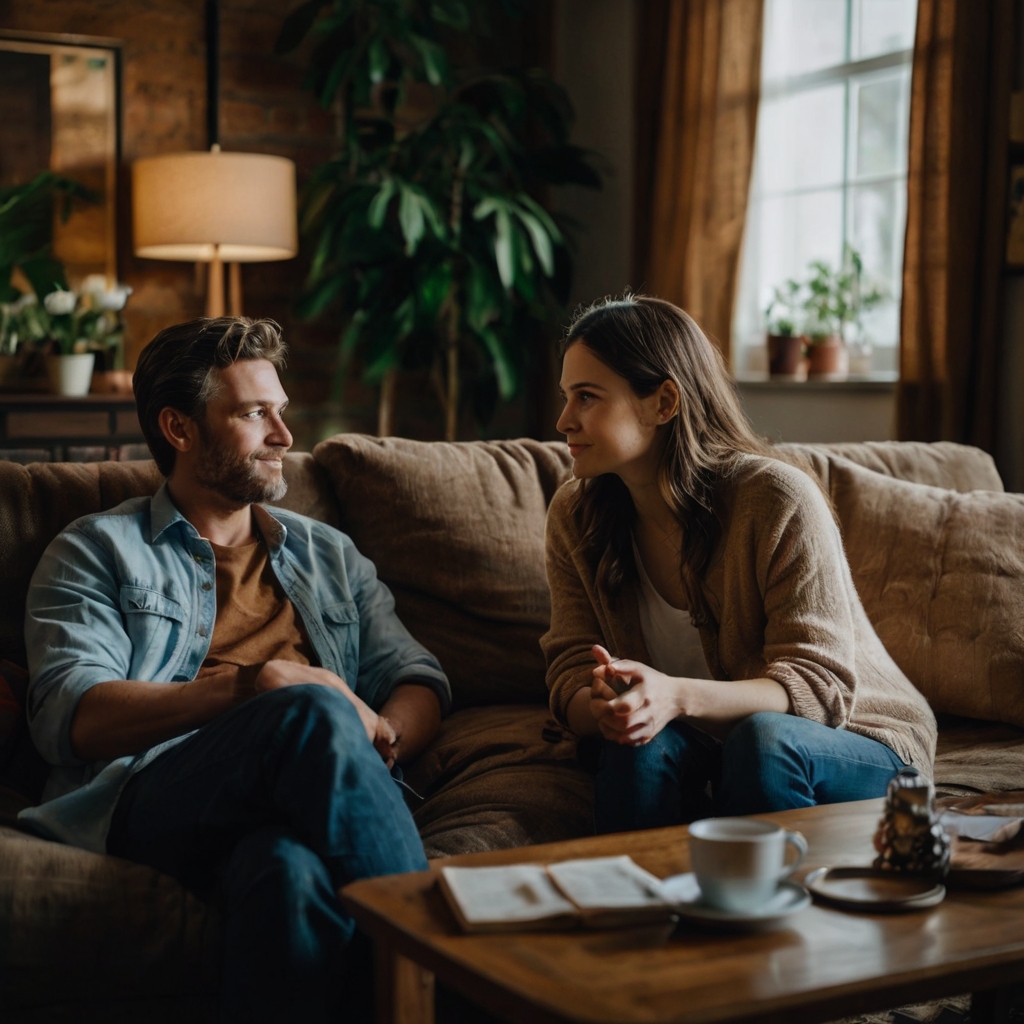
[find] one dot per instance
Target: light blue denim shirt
(131, 594)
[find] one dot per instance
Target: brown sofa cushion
(497, 778)
(959, 467)
(979, 755)
(457, 532)
(941, 575)
(81, 927)
(38, 500)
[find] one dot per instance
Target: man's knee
(311, 706)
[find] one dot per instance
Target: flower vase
(70, 375)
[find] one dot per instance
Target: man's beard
(238, 478)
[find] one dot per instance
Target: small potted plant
(835, 304)
(70, 328)
(785, 340)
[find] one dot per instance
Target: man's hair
(176, 369)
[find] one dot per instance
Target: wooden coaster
(873, 891)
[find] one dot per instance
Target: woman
(704, 619)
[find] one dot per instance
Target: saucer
(684, 893)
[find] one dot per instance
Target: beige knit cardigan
(784, 606)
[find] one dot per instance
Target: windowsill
(879, 381)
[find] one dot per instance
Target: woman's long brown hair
(648, 341)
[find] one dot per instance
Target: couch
(456, 531)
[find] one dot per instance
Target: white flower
(106, 298)
(60, 302)
(114, 298)
(27, 299)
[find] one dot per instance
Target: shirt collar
(164, 514)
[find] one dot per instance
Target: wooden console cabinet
(56, 429)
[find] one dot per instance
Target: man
(221, 688)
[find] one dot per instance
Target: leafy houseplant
(426, 229)
(782, 322)
(26, 232)
(68, 323)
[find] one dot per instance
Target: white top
(673, 641)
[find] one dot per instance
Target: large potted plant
(427, 231)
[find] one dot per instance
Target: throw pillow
(941, 576)
(457, 533)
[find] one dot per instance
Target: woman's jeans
(769, 762)
(268, 810)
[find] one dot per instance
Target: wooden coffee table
(823, 964)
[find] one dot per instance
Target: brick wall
(263, 109)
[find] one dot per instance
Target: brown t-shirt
(255, 620)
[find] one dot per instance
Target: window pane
(801, 36)
(881, 109)
(801, 136)
(784, 233)
(877, 218)
(877, 121)
(882, 26)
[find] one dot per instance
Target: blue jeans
(268, 810)
(769, 762)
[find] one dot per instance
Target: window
(830, 164)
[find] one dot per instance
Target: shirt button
(198, 558)
(207, 586)
(201, 631)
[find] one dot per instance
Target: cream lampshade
(215, 208)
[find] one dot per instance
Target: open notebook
(598, 892)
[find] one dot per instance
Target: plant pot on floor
(827, 359)
(785, 354)
(70, 375)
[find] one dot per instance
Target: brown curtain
(699, 73)
(956, 208)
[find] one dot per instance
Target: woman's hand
(648, 703)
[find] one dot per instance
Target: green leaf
(503, 248)
(542, 215)
(297, 24)
(379, 207)
(410, 216)
(435, 60)
(504, 369)
(541, 241)
(351, 335)
(320, 297)
(379, 59)
(45, 274)
(452, 13)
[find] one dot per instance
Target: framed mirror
(60, 112)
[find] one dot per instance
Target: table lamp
(213, 207)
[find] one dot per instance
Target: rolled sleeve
(75, 638)
(389, 656)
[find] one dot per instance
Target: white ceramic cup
(739, 862)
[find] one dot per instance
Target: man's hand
(650, 701)
(279, 673)
(386, 741)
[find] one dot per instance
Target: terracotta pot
(827, 358)
(785, 354)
